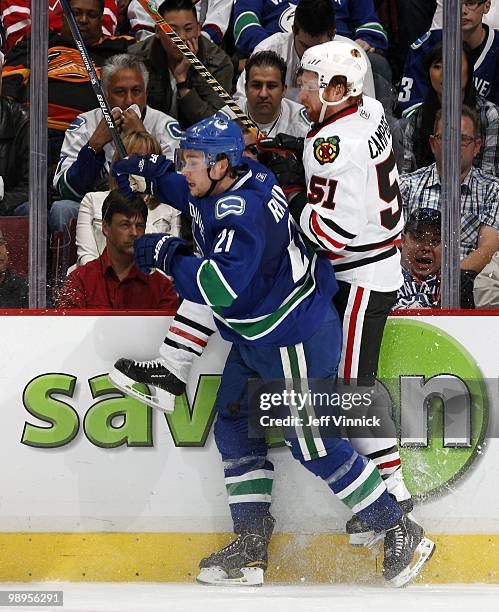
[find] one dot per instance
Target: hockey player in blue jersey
(483, 41)
(271, 297)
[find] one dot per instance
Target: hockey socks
(186, 338)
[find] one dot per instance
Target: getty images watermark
(414, 408)
(303, 405)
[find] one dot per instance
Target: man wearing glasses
(484, 43)
(479, 199)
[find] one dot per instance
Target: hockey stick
(94, 79)
(241, 116)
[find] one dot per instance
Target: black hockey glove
(289, 173)
(282, 143)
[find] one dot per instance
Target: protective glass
(190, 160)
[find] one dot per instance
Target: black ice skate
(406, 551)
(162, 384)
(362, 535)
(241, 563)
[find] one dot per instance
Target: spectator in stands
(417, 151)
(406, 21)
(161, 218)
(123, 26)
(14, 156)
(254, 22)
(214, 15)
(15, 15)
(175, 86)
(486, 286)
(88, 147)
(265, 102)
(479, 196)
(69, 89)
(491, 18)
(314, 23)
(113, 281)
(421, 257)
(13, 288)
(484, 44)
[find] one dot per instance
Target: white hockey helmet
(336, 58)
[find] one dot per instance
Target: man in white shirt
(265, 101)
(88, 148)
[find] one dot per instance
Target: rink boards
(99, 487)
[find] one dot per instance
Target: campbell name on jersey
(261, 281)
(354, 209)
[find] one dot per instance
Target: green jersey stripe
(374, 27)
(363, 490)
(246, 19)
(66, 191)
(265, 325)
(261, 486)
(297, 378)
(213, 286)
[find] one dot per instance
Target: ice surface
(166, 597)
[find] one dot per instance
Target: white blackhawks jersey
(354, 206)
(292, 119)
(164, 128)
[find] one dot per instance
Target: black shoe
(243, 561)
(161, 385)
(362, 535)
(406, 551)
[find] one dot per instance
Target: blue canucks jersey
(263, 284)
(414, 83)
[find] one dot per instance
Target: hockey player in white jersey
(352, 210)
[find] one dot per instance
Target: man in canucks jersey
(271, 297)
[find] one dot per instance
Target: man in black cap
(421, 260)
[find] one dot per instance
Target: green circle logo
(419, 355)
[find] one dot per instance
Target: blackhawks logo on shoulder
(326, 150)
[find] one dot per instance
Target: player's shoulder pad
(421, 40)
(230, 205)
(77, 124)
(173, 130)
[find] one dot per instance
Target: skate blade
(157, 398)
(422, 554)
(366, 538)
(216, 576)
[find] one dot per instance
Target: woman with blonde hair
(161, 218)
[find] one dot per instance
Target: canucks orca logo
(326, 150)
(230, 205)
(173, 128)
(286, 19)
(76, 125)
